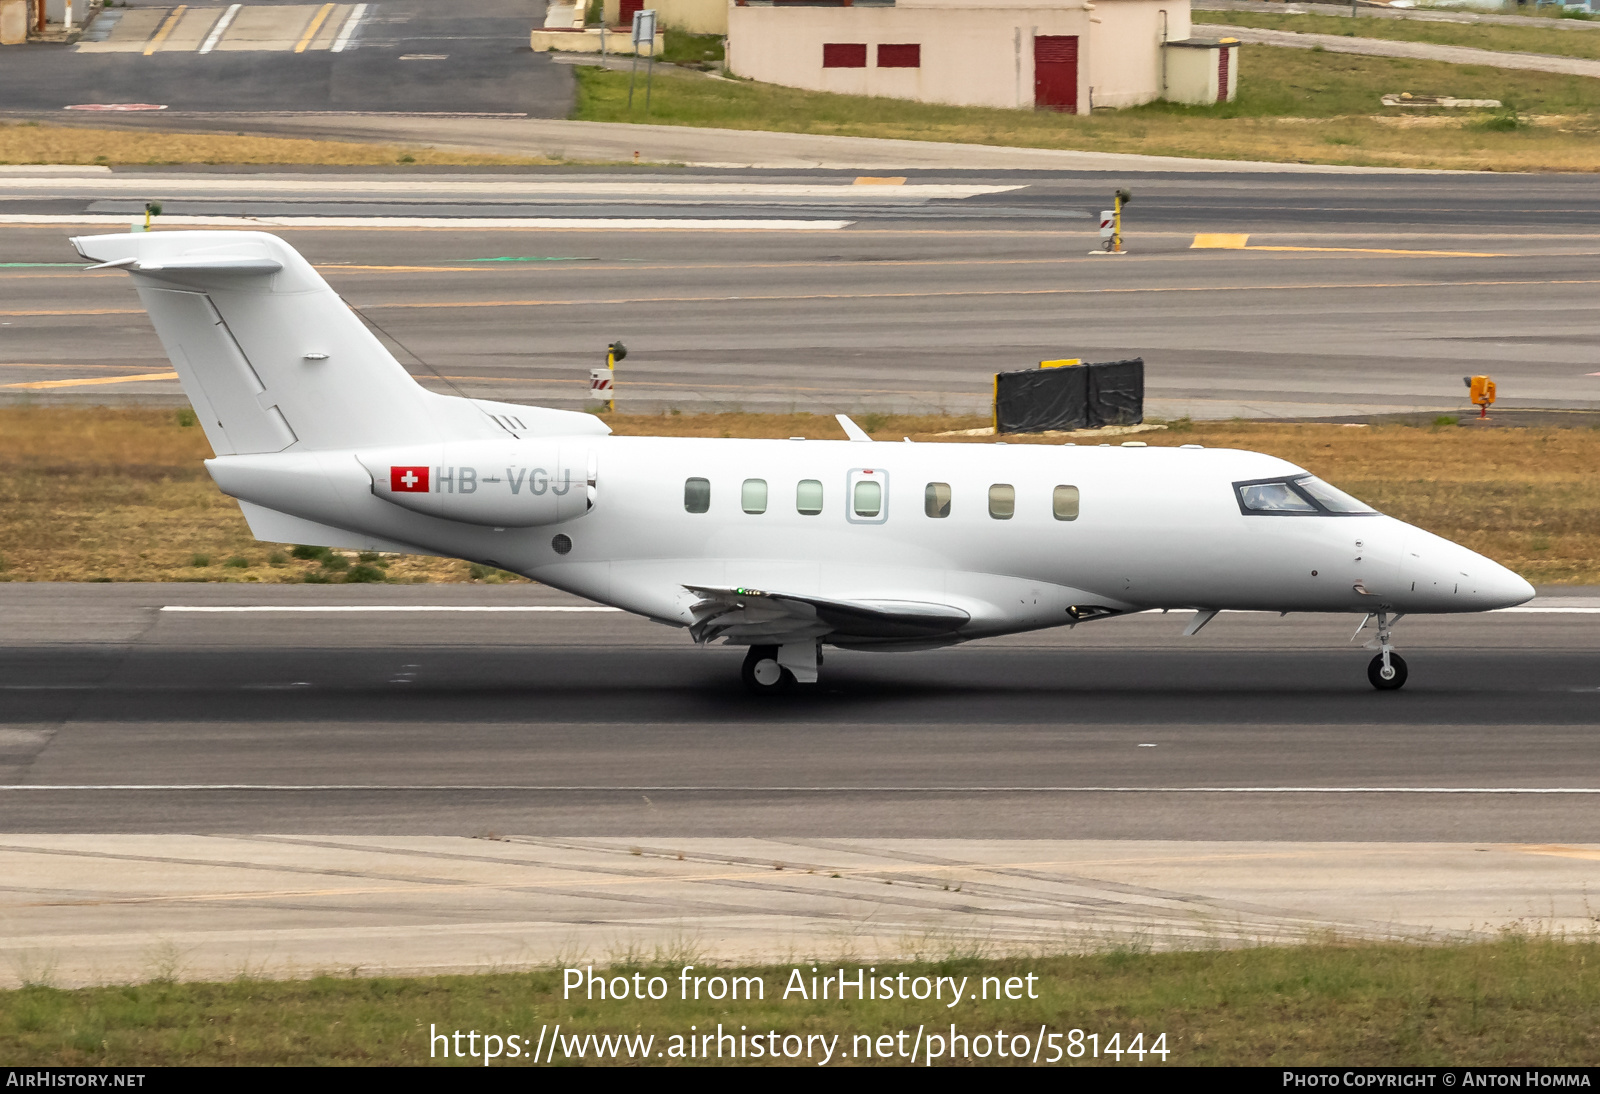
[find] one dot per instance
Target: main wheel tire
(1396, 678)
(762, 674)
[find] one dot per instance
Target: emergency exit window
(936, 499)
(1064, 503)
(753, 496)
(808, 497)
(1002, 501)
(697, 495)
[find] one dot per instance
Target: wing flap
(755, 615)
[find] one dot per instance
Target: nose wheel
(1390, 677)
(1387, 671)
(762, 674)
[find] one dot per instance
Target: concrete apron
(81, 910)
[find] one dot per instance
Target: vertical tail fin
(272, 359)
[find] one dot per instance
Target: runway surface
(1355, 295)
(109, 908)
(398, 55)
(123, 717)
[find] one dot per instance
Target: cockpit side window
(1299, 495)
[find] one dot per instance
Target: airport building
(1072, 57)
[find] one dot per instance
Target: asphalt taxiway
(304, 709)
(813, 291)
(214, 780)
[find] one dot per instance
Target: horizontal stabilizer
(753, 615)
(240, 264)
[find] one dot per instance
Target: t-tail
(289, 384)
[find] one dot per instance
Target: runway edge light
(1111, 225)
(152, 209)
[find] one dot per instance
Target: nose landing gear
(1387, 677)
(1387, 671)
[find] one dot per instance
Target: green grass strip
(1519, 1000)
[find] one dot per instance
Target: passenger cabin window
(936, 499)
(868, 499)
(753, 496)
(1002, 501)
(808, 497)
(1064, 503)
(1303, 495)
(697, 495)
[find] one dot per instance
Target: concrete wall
(969, 57)
(690, 16)
(1125, 49)
(1192, 74)
(590, 40)
(13, 22)
(972, 54)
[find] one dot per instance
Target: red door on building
(1055, 72)
(629, 8)
(1222, 75)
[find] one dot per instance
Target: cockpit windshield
(1331, 498)
(1302, 495)
(1273, 497)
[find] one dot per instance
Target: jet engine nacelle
(502, 484)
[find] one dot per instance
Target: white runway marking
(606, 224)
(300, 186)
(342, 43)
(388, 608)
(1537, 610)
(482, 787)
(217, 31)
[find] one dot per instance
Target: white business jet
(781, 546)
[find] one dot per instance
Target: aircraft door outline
(866, 495)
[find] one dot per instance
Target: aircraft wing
(757, 616)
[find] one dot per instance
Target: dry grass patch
(30, 142)
(120, 495)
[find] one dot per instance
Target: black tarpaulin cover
(1042, 398)
(1116, 392)
(1070, 397)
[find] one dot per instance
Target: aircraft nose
(1498, 587)
(1445, 576)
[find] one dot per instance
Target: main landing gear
(1387, 671)
(772, 670)
(762, 673)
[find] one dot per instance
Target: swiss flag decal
(408, 480)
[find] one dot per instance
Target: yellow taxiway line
(1134, 290)
(1232, 241)
(166, 29)
(87, 381)
(311, 31)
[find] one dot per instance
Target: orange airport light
(1481, 391)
